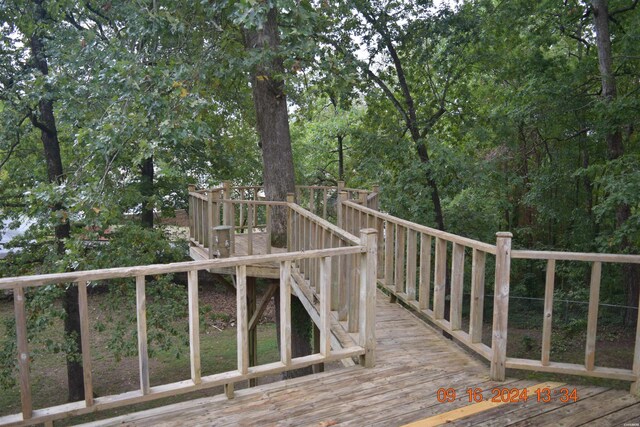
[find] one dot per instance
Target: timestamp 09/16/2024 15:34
(507, 395)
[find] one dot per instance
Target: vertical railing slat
(457, 282)
(23, 352)
(547, 321)
(477, 295)
(250, 209)
(85, 342)
(440, 278)
(388, 253)
(141, 312)
(412, 248)
(268, 219)
(285, 312)
(424, 285)
(400, 257)
(241, 320)
(194, 326)
(592, 320)
(325, 306)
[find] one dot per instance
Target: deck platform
(413, 362)
(265, 270)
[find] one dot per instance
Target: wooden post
(222, 241)
(291, 198)
(192, 233)
(368, 268)
(440, 279)
(424, 286)
(376, 205)
(210, 223)
(252, 331)
(477, 295)
(501, 306)
(141, 310)
(83, 305)
(194, 326)
(400, 248)
(285, 312)
(242, 320)
(635, 386)
(228, 212)
(342, 197)
(23, 352)
(250, 209)
(592, 320)
(548, 312)
(388, 257)
(457, 282)
(412, 247)
(340, 186)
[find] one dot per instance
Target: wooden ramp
(414, 362)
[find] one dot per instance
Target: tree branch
(624, 9)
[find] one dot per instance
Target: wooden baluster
(380, 240)
(141, 312)
(250, 223)
(354, 299)
(547, 321)
(440, 278)
(389, 244)
(324, 203)
(635, 386)
(342, 197)
(241, 319)
(210, 223)
(400, 247)
(477, 295)
(457, 283)
(85, 342)
(368, 268)
(192, 188)
(344, 285)
(412, 248)
(241, 213)
(592, 320)
(22, 343)
(424, 286)
(194, 326)
(335, 301)
(501, 306)
(285, 312)
(268, 236)
(325, 306)
(312, 200)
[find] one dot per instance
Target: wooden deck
(413, 362)
(266, 270)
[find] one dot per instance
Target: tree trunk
(272, 122)
(615, 148)
(45, 121)
(340, 158)
(146, 190)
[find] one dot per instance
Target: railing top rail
(254, 202)
(317, 187)
(177, 267)
(575, 256)
(485, 247)
(326, 224)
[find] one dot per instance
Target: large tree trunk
(146, 190)
(45, 121)
(272, 121)
(615, 147)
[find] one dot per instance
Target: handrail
(320, 287)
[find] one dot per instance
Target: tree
(272, 123)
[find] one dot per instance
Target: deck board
(413, 361)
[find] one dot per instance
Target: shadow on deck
(413, 362)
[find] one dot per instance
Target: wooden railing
(414, 268)
(319, 283)
(588, 369)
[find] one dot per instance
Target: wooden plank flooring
(413, 362)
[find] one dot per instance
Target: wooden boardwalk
(414, 361)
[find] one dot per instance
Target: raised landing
(413, 362)
(259, 247)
